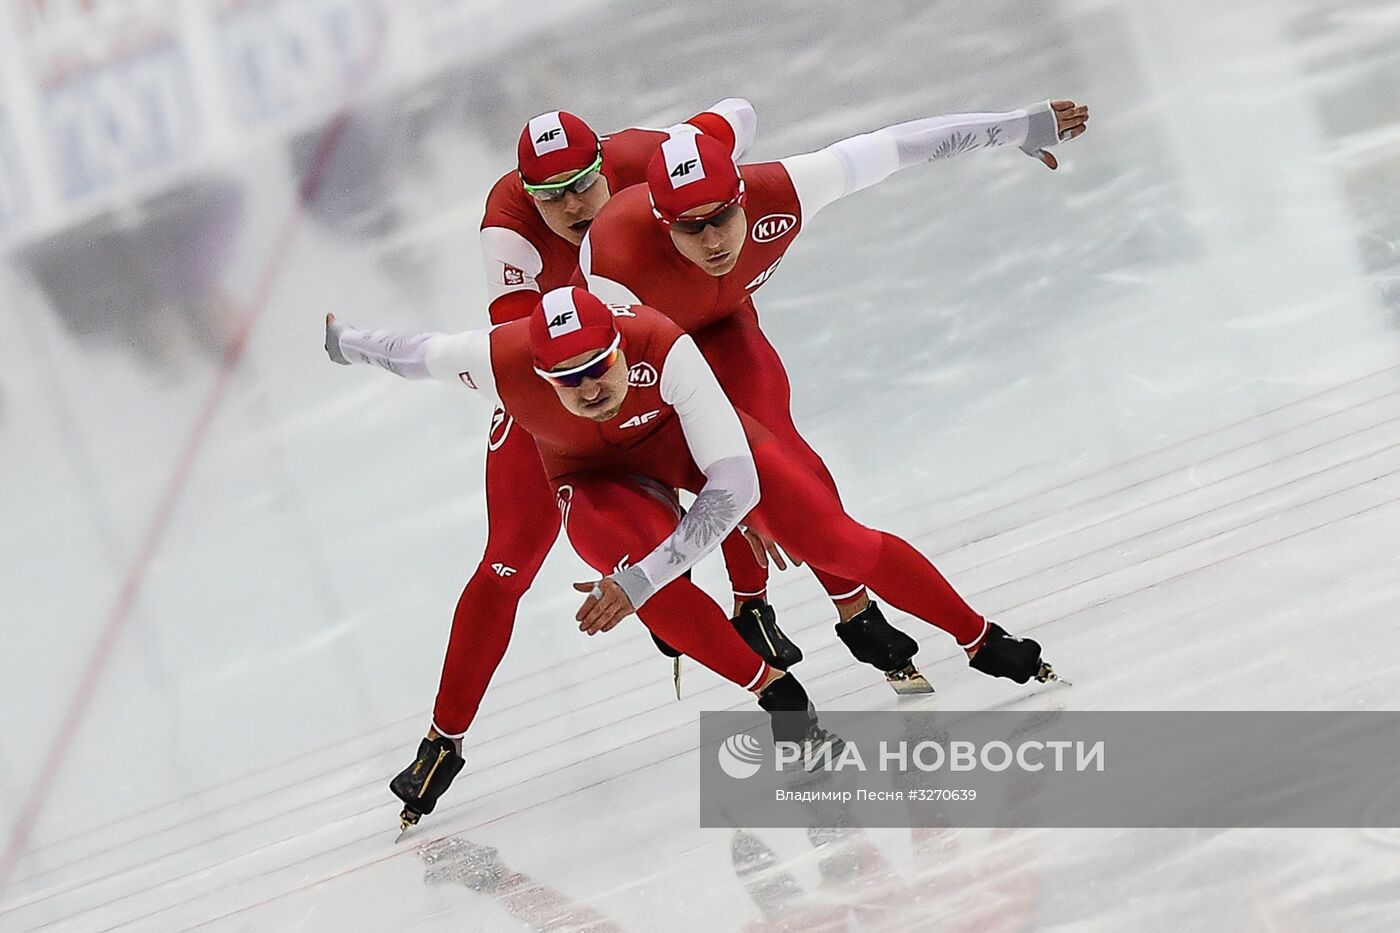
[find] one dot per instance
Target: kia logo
(642, 375)
(771, 226)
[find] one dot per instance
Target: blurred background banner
(13, 196)
(113, 90)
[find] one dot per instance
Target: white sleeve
(742, 119)
(459, 359)
(720, 449)
(512, 262)
(604, 288)
(849, 165)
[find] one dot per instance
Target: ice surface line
(1174, 447)
(1182, 520)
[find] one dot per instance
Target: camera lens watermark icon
(740, 756)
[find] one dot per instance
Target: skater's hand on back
(605, 606)
(1071, 120)
(765, 548)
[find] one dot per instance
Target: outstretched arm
(460, 359)
(849, 165)
(720, 449)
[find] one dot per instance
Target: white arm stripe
(742, 120)
(512, 262)
(719, 447)
(612, 292)
(849, 165)
(464, 359)
(818, 177)
(712, 428)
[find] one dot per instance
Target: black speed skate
(793, 719)
(871, 640)
(757, 624)
(1018, 659)
(421, 784)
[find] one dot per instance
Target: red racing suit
(524, 258)
(611, 481)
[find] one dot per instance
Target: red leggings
(608, 516)
(522, 523)
(752, 375)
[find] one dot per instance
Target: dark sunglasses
(719, 218)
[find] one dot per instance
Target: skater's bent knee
(502, 578)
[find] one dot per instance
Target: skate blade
(407, 820)
(908, 682)
(1047, 674)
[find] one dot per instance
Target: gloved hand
(1053, 122)
(333, 331)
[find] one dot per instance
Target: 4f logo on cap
(682, 160)
(560, 314)
(547, 133)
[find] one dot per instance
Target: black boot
(789, 709)
(793, 719)
(871, 640)
(421, 784)
(1003, 655)
(757, 624)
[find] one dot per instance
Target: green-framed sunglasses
(578, 183)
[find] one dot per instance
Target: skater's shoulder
(647, 331)
(509, 206)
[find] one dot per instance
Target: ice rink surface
(1145, 409)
